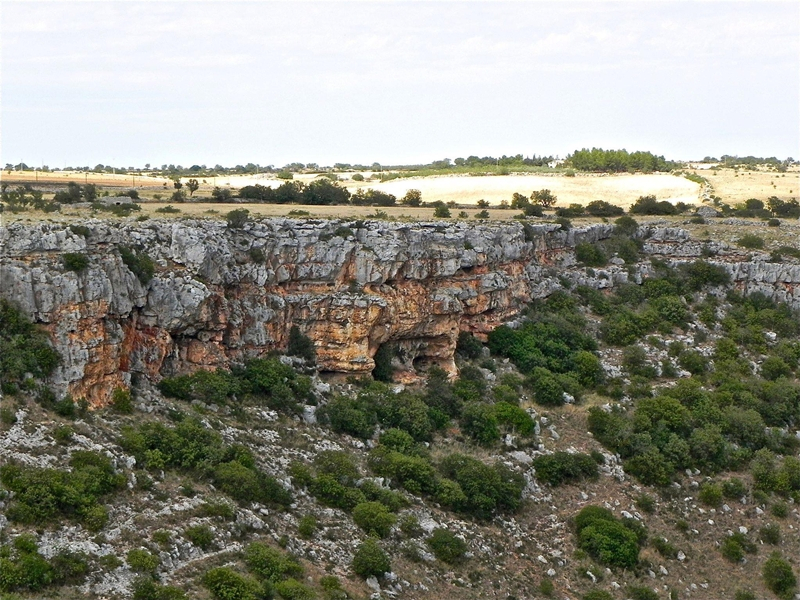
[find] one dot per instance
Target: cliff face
(221, 295)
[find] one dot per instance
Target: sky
(130, 83)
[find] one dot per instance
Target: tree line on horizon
(589, 160)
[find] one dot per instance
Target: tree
(193, 185)
(412, 198)
(544, 198)
(519, 201)
(177, 184)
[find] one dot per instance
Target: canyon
(221, 295)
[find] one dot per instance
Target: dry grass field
(733, 186)
(99, 179)
(621, 190)
(736, 186)
(617, 189)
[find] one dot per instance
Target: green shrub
(414, 473)
(393, 501)
(588, 369)
(664, 548)
(269, 563)
(370, 560)
(636, 592)
(374, 518)
(226, 584)
(778, 576)
(693, 361)
(169, 209)
(350, 416)
(601, 208)
(384, 370)
(300, 345)
(139, 263)
(446, 546)
(42, 495)
(611, 543)
(479, 422)
(646, 504)
(237, 218)
(605, 538)
(121, 401)
(24, 348)
(774, 367)
(732, 550)
(200, 535)
(590, 255)
(63, 434)
(649, 205)
(221, 510)
(307, 526)
(562, 467)
(486, 489)
(441, 210)
(626, 226)
(745, 595)
(247, 484)
(711, 494)
(80, 230)
(513, 418)
(770, 534)
(736, 545)
(734, 488)
(144, 588)
(142, 561)
(547, 389)
(291, 589)
(75, 261)
(779, 509)
(598, 595)
(750, 241)
(468, 345)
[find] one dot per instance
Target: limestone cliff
(221, 295)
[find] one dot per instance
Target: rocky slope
(222, 294)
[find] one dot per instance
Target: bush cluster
(24, 348)
(24, 569)
(261, 381)
(191, 447)
(270, 571)
(446, 546)
(370, 560)
(44, 495)
(139, 263)
(611, 541)
(563, 467)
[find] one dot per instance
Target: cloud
(433, 66)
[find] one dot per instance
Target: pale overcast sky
(129, 83)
